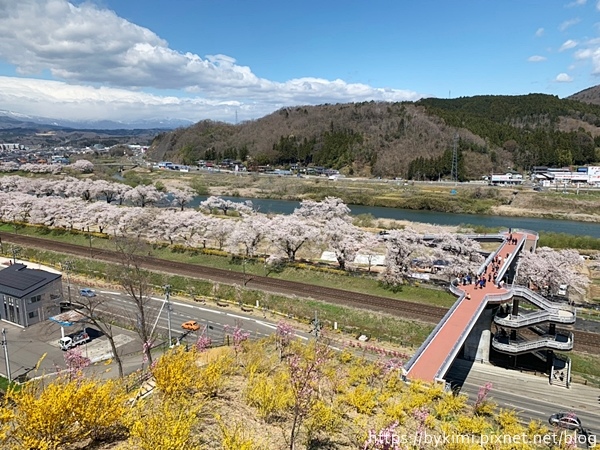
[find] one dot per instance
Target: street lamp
(167, 288)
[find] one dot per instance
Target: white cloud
(84, 46)
(72, 101)
(563, 78)
(593, 55)
(567, 45)
(540, 32)
(536, 58)
(568, 23)
(598, 5)
(576, 3)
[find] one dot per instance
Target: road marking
(110, 292)
(264, 324)
(238, 317)
(187, 305)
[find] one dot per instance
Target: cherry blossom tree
(219, 230)
(181, 196)
(9, 166)
(134, 221)
(82, 165)
(329, 208)
(288, 233)
(547, 269)
(368, 247)
(217, 203)
(342, 238)
(143, 195)
(100, 216)
(248, 234)
(104, 190)
(44, 211)
(402, 247)
(76, 361)
(459, 253)
(306, 365)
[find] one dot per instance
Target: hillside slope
(491, 133)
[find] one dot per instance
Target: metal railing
(538, 300)
(459, 342)
(434, 332)
(528, 346)
(496, 298)
(533, 318)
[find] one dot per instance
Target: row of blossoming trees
(118, 209)
(162, 217)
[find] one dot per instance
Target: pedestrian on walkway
(468, 296)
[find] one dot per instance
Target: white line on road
(238, 317)
(110, 292)
(188, 305)
(264, 324)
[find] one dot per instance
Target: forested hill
(413, 140)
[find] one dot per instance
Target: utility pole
(15, 251)
(167, 297)
(5, 345)
(90, 236)
(67, 266)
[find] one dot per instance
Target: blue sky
(210, 59)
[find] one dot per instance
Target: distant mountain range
(13, 120)
(415, 140)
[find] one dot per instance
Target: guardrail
(539, 300)
(459, 342)
(494, 298)
(508, 261)
(533, 318)
(434, 332)
(527, 346)
(488, 261)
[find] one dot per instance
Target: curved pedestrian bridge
(435, 356)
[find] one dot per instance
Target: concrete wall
(477, 344)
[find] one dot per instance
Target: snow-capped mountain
(12, 119)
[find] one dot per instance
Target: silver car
(566, 420)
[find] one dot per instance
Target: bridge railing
(488, 261)
(539, 301)
(511, 257)
(459, 342)
(527, 346)
(533, 318)
(454, 289)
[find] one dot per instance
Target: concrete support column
(515, 306)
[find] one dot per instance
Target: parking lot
(38, 346)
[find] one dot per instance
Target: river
(439, 218)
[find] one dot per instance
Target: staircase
(560, 374)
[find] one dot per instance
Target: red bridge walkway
(435, 356)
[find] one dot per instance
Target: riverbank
(465, 198)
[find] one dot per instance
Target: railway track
(585, 341)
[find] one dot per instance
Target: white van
(562, 290)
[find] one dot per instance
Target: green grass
(5, 385)
(586, 367)
(363, 284)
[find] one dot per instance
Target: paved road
(530, 395)
(26, 346)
